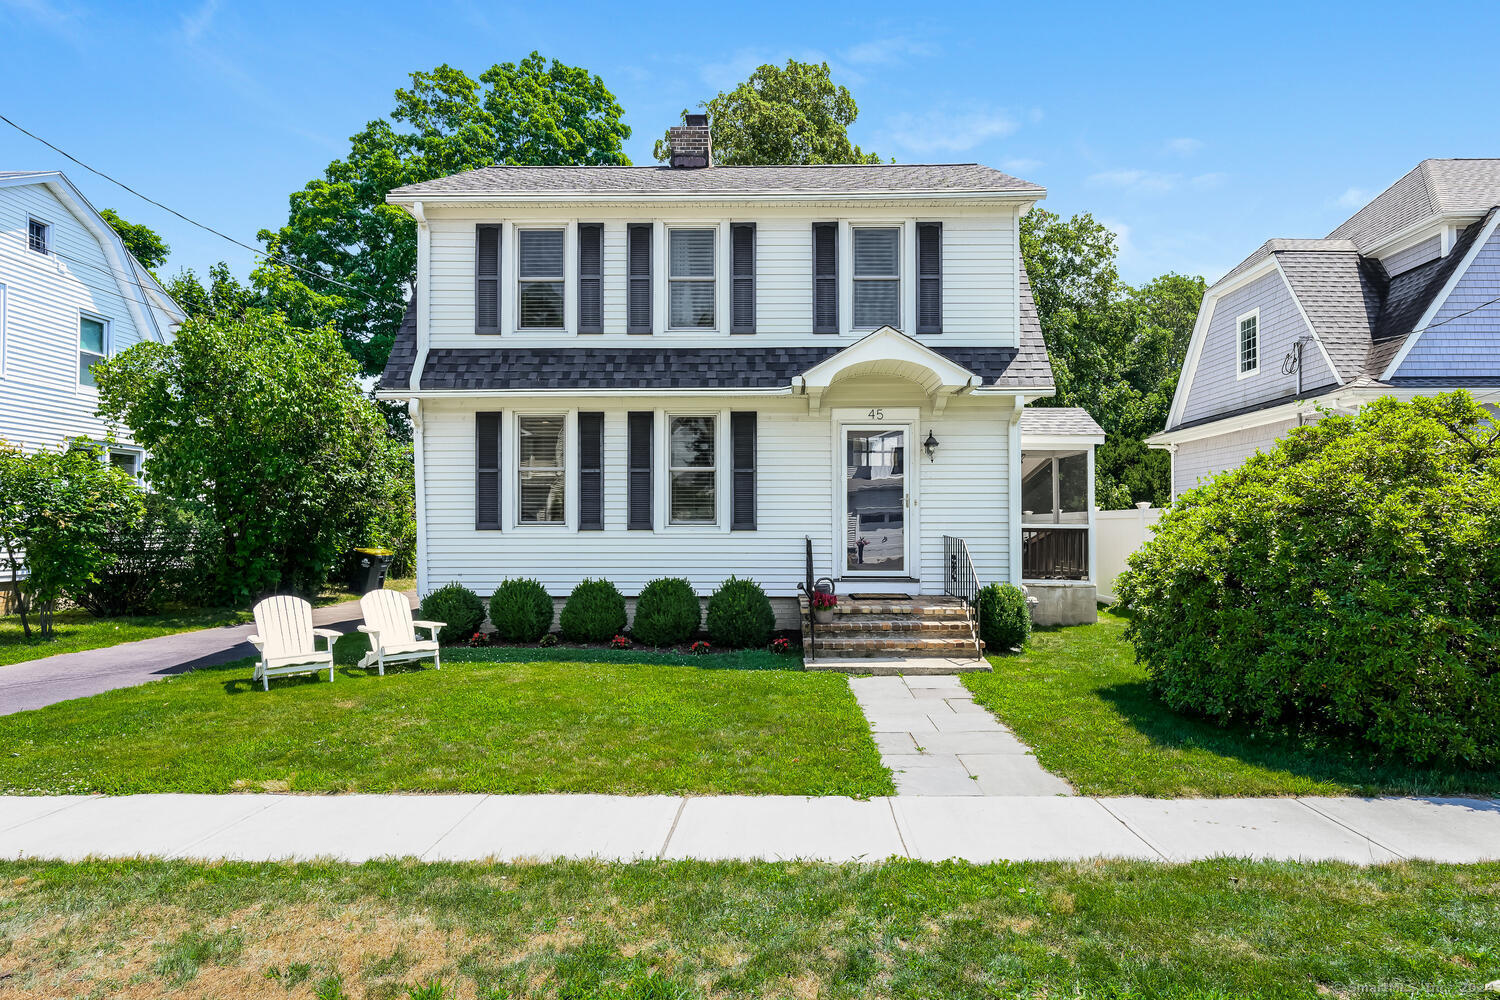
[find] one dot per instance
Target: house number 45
(877, 414)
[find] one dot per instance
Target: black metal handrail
(807, 586)
(960, 580)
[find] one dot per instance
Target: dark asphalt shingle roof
(832, 179)
(1432, 187)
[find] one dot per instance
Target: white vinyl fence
(1117, 534)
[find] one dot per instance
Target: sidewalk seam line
(890, 801)
(181, 851)
(1133, 831)
(444, 835)
(672, 830)
(54, 812)
(1358, 833)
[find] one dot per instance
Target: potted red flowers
(823, 604)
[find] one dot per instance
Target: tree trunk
(15, 583)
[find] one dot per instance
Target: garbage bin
(367, 569)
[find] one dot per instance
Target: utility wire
(184, 218)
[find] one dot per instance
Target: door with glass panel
(875, 503)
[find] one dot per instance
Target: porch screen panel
(590, 277)
(487, 279)
(929, 277)
(742, 441)
(590, 472)
(825, 277)
(638, 487)
(487, 471)
(743, 278)
(638, 305)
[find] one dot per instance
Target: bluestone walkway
(35, 683)
(936, 741)
(515, 827)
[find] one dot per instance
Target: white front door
(876, 503)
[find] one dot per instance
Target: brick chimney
(691, 143)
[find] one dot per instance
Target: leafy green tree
(791, 114)
(57, 510)
(267, 424)
(144, 243)
(339, 226)
(224, 297)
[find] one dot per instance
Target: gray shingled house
(774, 372)
(1400, 300)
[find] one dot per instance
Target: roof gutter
(595, 198)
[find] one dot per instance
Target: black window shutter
(742, 434)
(929, 277)
(639, 484)
(825, 277)
(639, 266)
(487, 279)
(487, 471)
(590, 277)
(742, 319)
(590, 472)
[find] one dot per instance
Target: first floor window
(541, 451)
(1249, 343)
(691, 278)
(91, 347)
(877, 278)
(128, 462)
(38, 236)
(540, 267)
(692, 470)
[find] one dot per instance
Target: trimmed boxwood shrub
(1004, 618)
(595, 612)
(739, 615)
(457, 605)
(666, 613)
(1348, 581)
(521, 611)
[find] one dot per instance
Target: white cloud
(885, 51)
(1354, 198)
(1021, 165)
(1135, 181)
(728, 73)
(194, 24)
(946, 132)
(1184, 146)
(63, 20)
(1209, 181)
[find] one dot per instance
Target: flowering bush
(700, 647)
(781, 647)
(619, 642)
(549, 640)
(823, 599)
(477, 639)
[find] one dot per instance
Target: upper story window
(692, 289)
(38, 236)
(1249, 343)
(93, 345)
(540, 278)
(542, 465)
(692, 470)
(877, 278)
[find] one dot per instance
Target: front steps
(878, 635)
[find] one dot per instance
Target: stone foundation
(1064, 602)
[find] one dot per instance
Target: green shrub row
(667, 613)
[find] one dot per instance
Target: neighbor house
(697, 370)
(71, 295)
(1399, 301)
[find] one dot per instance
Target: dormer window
(1249, 343)
(540, 278)
(38, 236)
(692, 289)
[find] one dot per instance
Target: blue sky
(1195, 131)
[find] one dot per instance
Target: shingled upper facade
(636, 372)
(1398, 300)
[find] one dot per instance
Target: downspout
(1014, 498)
(419, 290)
(414, 407)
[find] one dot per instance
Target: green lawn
(676, 930)
(1079, 699)
(626, 728)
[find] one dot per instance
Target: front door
(875, 501)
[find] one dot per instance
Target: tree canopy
(791, 114)
(143, 242)
(339, 226)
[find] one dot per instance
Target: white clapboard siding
(979, 276)
(41, 402)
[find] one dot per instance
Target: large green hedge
(1348, 581)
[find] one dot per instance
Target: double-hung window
(692, 289)
(541, 460)
(38, 236)
(877, 277)
(692, 470)
(1249, 343)
(128, 462)
(539, 266)
(93, 346)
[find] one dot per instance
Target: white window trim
(1239, 346)
(567, 281)
(110, 451)
(569, 483)
(4, 344)
(718, 229)
(84, 314)
(46, 236)
(719, 419)
(901, 229)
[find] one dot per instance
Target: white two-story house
(1402, 299)
(70, 296)
(698, 370)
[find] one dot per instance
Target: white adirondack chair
(392, 632)
(288, 642)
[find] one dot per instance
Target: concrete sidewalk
(35, 683)
(511, 827)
